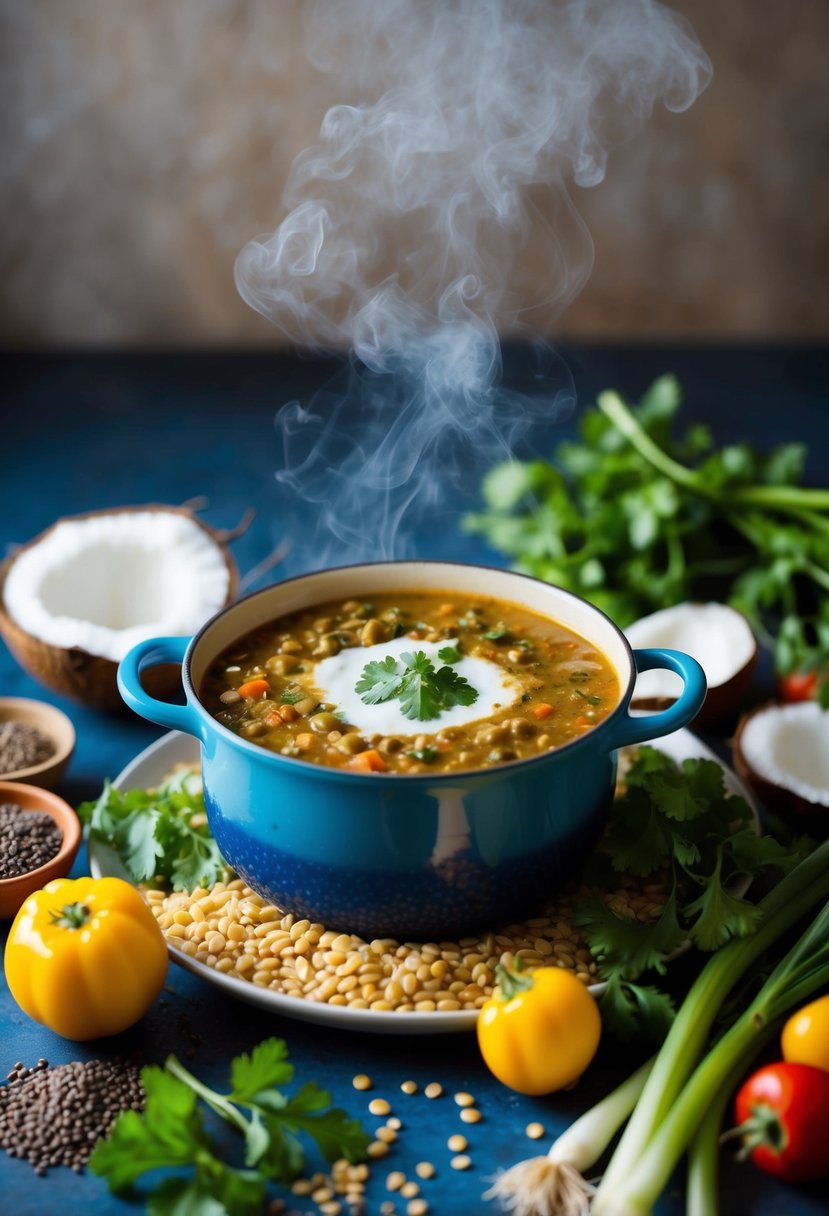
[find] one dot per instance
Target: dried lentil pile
(56, 1116)
(236, 932)
(22, 746)
(28, 839)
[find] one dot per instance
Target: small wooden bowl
(13, 891)
(51, 722)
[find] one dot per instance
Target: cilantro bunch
(171, 1134)
(636, 519)
(424, 692)
(158, 834)
(677, 823)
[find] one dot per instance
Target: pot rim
(295, 764)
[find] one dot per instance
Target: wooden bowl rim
(52, 721)
(35, 798)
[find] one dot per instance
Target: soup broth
(411, 683)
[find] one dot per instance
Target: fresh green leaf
(717, 915)
(680, 822)
(423, 692)
(632, 1011)
(158, 834)
(449, 654)
(629, 947)
(171, 1134)
(216, 1191)
(265, 1067)
(638, 517)
(381, 680)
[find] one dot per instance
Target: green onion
(702, 1183)
(556, 1183)
(672, 1106)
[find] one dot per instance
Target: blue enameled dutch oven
(415, 857)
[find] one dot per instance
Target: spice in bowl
(22, 747)
(28, 839)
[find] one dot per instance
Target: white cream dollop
(335, 678)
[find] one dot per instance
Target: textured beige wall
(144, 144)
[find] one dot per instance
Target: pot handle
(687, 706)
(150, 653)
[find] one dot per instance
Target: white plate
(152, 765)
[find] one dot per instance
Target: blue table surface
(86, 431)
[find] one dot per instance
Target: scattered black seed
(56, 1116)
(28, 839)
(22, 746)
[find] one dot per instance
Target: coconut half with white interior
(782, 753)
(75, 599)
(717, 636)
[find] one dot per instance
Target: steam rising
(462, 125)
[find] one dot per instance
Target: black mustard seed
(28, 839)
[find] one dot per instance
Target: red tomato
(799, 686)
(783, 1112)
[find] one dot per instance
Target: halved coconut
(75, 599)
(718, 637)
(782, 752)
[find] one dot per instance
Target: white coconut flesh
(106, 582)
(788, 746)
(717, 636)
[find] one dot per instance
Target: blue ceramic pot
(418, 857)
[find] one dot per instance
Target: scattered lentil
(417, 1207)
(409, 1190)
(395, 1180)
(361, 1081)
(461, 1162)
(394, 1122)
(409, 1087)
(28, 839)
(433, 1090)
(22, 746)
(464, 1099)
(471, 1114)
(535, 1130)
(379, 1106)
(56, 1116)
(377, 1149)
(425, 1169)
(387, 1134)
(457, 1143)
(387, 1208)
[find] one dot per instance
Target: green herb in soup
(411, 683)
(424, 693)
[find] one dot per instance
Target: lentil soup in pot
(411, 683)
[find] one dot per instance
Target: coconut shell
(88, 678)
(810, 816)
(722, 701)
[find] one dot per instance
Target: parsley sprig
(159, 834)
(424, 692)
(171, 1133)
(678, 822)
(636, 518)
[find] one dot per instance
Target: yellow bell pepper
(805, 1037)
(85, 957)
(540, 1029)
